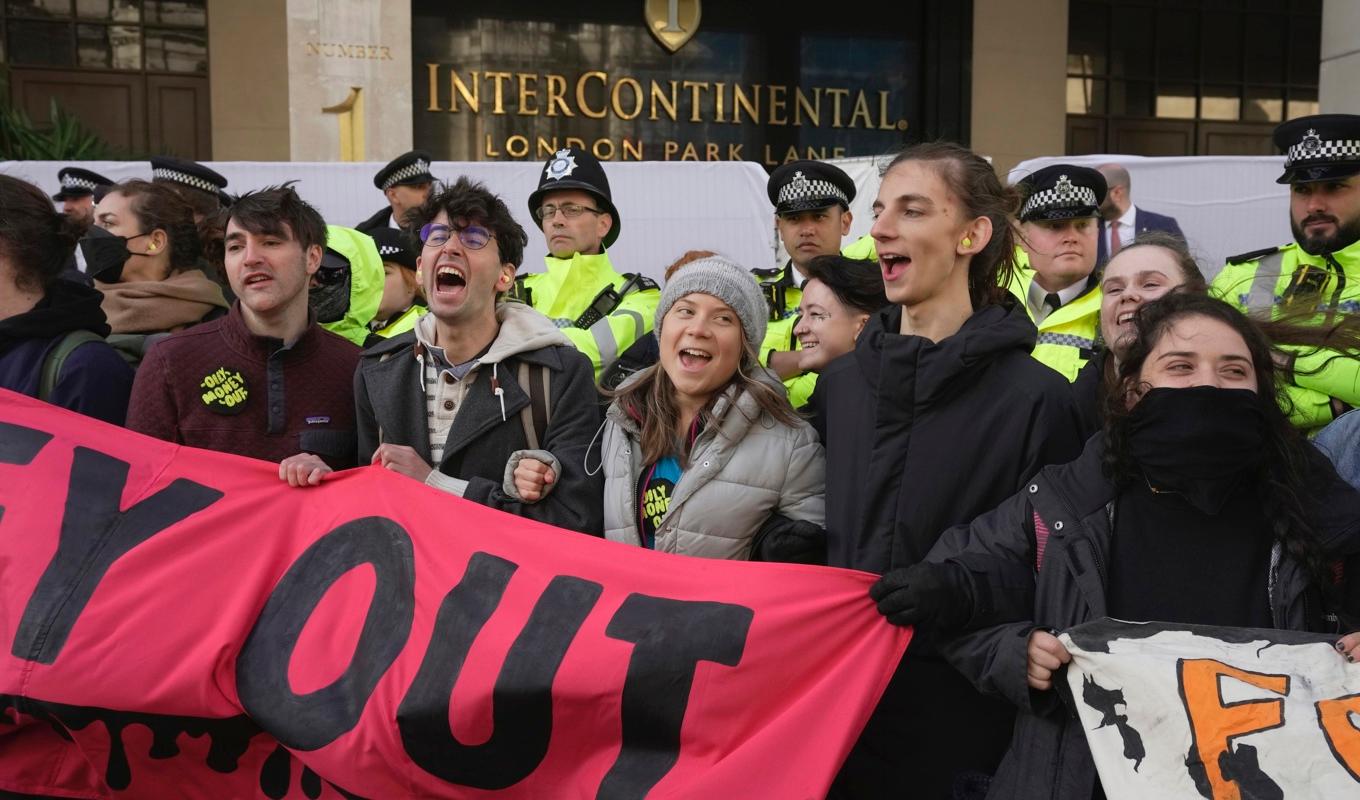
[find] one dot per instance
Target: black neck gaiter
(1199, 442)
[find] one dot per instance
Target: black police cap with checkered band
(1062, 191)
(408, 169)
(77, 182)
(187, 173)
(1322, 147)
(395, 246)
(808, 186)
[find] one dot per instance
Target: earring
(966, 242)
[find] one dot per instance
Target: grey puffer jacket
(741, 470)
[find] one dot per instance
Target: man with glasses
(484, 399)
(601, 311)
(265, 381)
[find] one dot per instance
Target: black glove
(924, 594)
(789, 541)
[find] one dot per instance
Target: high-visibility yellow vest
(1068, 337)
(1266, 282)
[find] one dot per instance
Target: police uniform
(189, 174)
(603, 312)
(793, 188)
(407, 169)
(396, 247)
(1265, 283)
(77, 182)
(1068, 320)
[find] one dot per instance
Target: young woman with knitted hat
(702, 453)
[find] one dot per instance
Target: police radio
(602, 306)
(1308, 279)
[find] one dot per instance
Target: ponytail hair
(35, 239)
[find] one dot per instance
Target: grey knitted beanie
(725, 280)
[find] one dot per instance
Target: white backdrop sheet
(1225, 204)
(667, 207)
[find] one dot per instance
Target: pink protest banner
(179, 623)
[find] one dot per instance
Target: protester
(264, 381)
(702, 453)
(1143, 270)
(812, 214)
(939, 414)
(1320, 270)
(1121, 221)
(602, 311)
(838, 298)
(346, 290)
(143, 254)
(406, 182)
(1199, 504)
(52, 330)
(401, 303)
(1058, 234)
(484, 399)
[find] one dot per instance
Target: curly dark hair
(471, 201)
(1283, 480)
(858, 284)
(972, 180)
(34, 238)
(158, 207)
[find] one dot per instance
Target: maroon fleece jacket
(220, 387)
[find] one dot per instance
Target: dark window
(1197, 64)
(108, 34)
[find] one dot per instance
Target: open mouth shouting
(449, 281)
(694, 359)
(893, 265)
(256, 280)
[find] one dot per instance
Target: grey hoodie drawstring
(585, 461)
(497, 390)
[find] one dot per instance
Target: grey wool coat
(742, 469)
(391, 408)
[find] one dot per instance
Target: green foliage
(64, 139)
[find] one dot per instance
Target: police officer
(401, 303)
(1320, 269)
(406, 182)
(812, 212)
(78, 187)
(602, 311)
(1059, 234)
(200, 187)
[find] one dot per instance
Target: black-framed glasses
(473, 237)
(569, 210)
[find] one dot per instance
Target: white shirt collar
(1040, 310)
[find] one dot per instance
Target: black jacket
(380, 219)
(94, 379)
(1088, 393)
(922, 436)
(1049, 757)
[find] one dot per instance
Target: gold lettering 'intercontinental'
(594, 95)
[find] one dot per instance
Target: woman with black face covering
(1198, 504)
(143, 253)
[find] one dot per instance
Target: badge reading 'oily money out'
(224, 391)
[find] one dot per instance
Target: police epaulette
(637, 282)
(1253, 255)
(766, 274)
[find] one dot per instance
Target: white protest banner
(1187, 711)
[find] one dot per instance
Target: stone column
(1339, 71)
(354, 58)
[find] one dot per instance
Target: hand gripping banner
(1186, 711)
(179, 623)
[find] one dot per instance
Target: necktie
(1115, 242)
(1052, 300)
